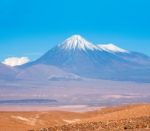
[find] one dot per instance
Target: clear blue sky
(31, 27)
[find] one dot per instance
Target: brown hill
(112, 118)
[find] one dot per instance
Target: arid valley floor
(136, 116)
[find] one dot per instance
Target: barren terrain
(111, 118)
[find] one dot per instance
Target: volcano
(78, 56)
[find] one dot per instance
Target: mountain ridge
(81, 58)
(78, 56)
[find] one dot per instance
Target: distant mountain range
(7, 72)
(76, 58)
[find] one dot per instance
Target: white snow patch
(111, 48)
(78, 42)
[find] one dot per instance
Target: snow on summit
(78, 42)
(111, 48)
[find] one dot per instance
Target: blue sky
(31, 27)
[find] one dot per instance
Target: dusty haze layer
(86, 92)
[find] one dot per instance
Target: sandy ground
(25, 108)
(112, 118)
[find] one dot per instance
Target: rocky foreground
(124, 124)
(129, 117)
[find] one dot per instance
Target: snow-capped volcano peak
(77, 42)
(111, 48)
